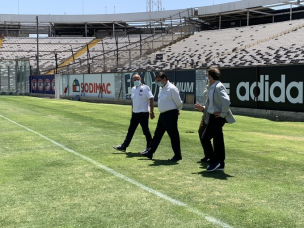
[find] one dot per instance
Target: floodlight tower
(154, 5)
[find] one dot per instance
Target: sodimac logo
(76, 86)
(96, 88)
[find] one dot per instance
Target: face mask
(137, 83)
(159, 84)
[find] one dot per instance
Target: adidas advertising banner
(271, 88)
(185, 81)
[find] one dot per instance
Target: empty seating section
(102, 56)
(275, 43)
(18, 48)
(286, 49)
(253, 45)
(129, 48)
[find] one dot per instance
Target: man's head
(213, 74)
(136, 79)
(161, 79)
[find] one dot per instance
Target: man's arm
(225, 101)
(176, 98)
(199, 107)
(152, 108)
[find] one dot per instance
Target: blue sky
(71, 7)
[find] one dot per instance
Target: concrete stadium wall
(273, 115)
(271, 92)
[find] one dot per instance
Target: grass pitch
(45, 185)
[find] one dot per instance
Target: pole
(104, 58)
(0, 78)
(8, 78)
(37, 47)
(88, 59)
(16, 76)
(56, 63)
(24, 77)
(117, 49)
(73, 54)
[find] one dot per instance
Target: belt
(169, 111)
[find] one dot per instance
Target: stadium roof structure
(247, 12)
(237, 13)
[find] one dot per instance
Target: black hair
(214, 73)
(162, 75)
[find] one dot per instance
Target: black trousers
(167, 121)
(214, 130)
(141, 118)
(201, 130)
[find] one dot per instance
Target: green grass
(43, 185)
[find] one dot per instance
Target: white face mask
(137, 83)
(160, 84)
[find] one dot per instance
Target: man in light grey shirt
(169, 104)
(216, 114)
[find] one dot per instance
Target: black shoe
(120, 148)
(205, 159)
(147, 153)
(213, 166)
(221, 167)
(175, 158)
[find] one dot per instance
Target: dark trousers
(167, 121)
(214, 130)
(141, 118)
(201, 130)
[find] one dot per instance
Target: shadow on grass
(119, 153)
(217, 174)
(132, 155)
(156, 162)
(163, 162)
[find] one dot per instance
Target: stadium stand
(76, 55)
(26, 48)
(253, 45)
(265, 44)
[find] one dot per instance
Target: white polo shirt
(168, 98)
(140, 98)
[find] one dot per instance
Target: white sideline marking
(150, 190)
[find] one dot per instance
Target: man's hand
(152, 115)
(199, 107)
(217, 114)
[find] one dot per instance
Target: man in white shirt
(142, 101)
(216, 114)
(169, 104)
